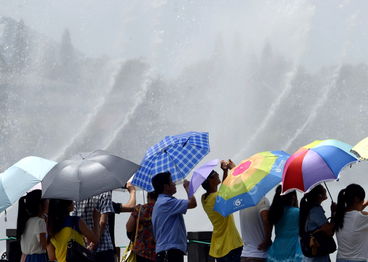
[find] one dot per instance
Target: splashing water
(91, 117)
(139, 98)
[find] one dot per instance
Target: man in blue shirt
(167, 219)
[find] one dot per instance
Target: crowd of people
(158, 233)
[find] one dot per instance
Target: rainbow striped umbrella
(319, 161)
(248, 182)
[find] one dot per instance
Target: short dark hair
(152, 195)
(159, 180)
(206, 183)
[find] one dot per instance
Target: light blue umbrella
(21, 177)
(176, 154)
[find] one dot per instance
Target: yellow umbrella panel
(361, 149)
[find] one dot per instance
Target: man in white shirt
(256, 231)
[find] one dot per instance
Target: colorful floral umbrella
(200, 175)
(361, 149)
(319, 161)
(248, 182)
(176, 154)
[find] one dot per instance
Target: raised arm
(192, 201)
(225, 169)
(129, 206)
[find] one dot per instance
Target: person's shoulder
(34, 219)
(317, 212)
(83, 204)
(162, 197)
(264, 204)
(317, 209)
(105, 194)
(293, 210)
(359, 214)
(204, 197)
(39, 220)
(266, 201)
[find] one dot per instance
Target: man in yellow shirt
(226, 243)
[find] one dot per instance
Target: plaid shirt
(102, 203)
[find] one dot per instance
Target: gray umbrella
(87, 175)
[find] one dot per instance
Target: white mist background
(177, 66)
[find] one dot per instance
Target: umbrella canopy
(87, 175)
(361, 149)
(248, 182)
(177, 154)
(21, 177)
(319, 161)
(200, 175)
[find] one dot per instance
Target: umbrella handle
(328, 191)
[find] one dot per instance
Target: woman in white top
(31, 227)
(351, 225)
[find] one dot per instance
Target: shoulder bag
(129, 255)
(317, 243)
(76, 252)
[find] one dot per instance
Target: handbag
(129, 255)
(76, 252)
(317, 243)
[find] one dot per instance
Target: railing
(8, 238)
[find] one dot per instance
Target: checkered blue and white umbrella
(176, 154)
(21, 177)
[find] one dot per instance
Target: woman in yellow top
(62, 228)
(226, 243)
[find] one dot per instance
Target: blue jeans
(233, 256)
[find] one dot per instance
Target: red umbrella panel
(319, 161)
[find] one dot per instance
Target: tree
(68, 65)
(20, 57)
(2, 60)
(50, 62)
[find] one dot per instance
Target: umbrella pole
(328, 191)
